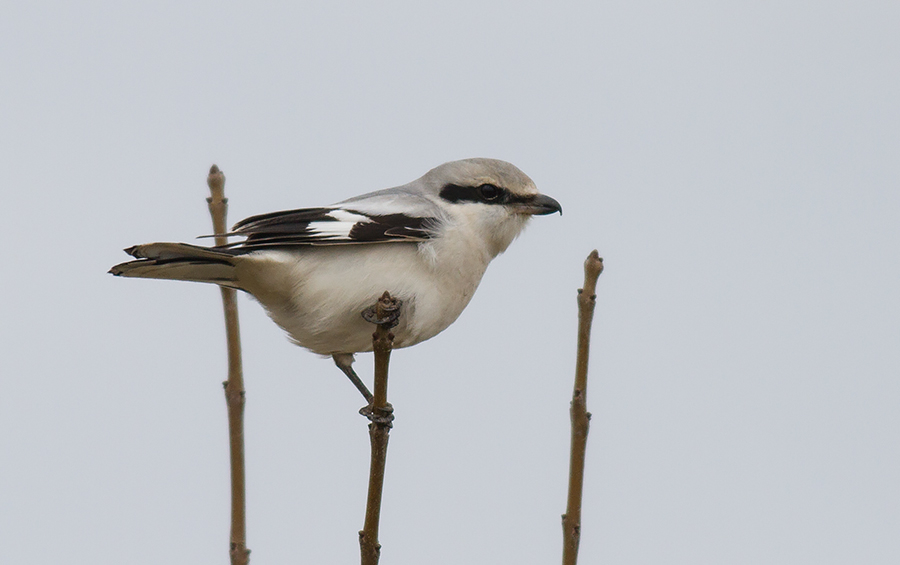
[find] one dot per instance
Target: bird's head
(491, 198)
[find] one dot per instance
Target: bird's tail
(180, 262)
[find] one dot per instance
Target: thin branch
(581, 418)
(384, 314)
(234, 386)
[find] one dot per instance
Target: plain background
(736, 164)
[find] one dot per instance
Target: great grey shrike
(315, 270)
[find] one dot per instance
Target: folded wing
(329, 226)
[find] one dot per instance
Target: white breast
(319, 297)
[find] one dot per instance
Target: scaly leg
(344, 362)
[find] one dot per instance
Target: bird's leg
(344, 362)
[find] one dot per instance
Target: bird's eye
(489, 192)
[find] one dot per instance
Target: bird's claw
(388, 307)
(382, 415)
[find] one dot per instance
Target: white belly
(319, 297)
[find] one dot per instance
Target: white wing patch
(339, 228)
(345, 216)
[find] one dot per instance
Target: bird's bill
(538, 205)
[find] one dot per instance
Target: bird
(314, 270)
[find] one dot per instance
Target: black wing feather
(327, 226)
(275, 221)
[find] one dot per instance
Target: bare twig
(234, 386)
(571, 520)
(384, 314)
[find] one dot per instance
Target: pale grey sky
(735, 164)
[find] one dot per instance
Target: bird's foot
(384, 312)
(382, 415)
